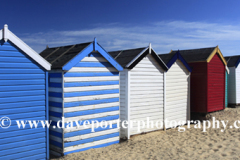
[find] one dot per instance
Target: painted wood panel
(226, 89)
(232, 97)
(216, 84)
(237, 85)
(91, 93)
(177, 100)
(198, 87)
(146, 87)
(23, 96)
(55, 109)
(124, 99)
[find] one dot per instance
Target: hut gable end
(219, 53)
(23, 85)
(84, 87)
(65, 57)
(91, 92)
(131, 57)
(7, 36)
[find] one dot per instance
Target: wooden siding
(198, 87)
(237, 87)
(216, 84)
(91, 92)
(22, 97)
(177, 94)
(226, 89)
(124, 102)
(146, 93)
(55, 110)
(232, 86)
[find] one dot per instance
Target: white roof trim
(227, 70)
(150, 48)
(136, 57)
(25, 48)
(5, 32)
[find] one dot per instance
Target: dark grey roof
(232, 60)
(124, 57)
(195, 55)
(166, 57)
(59, 56)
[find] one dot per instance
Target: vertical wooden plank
(188, 101)
(123, 101)
(63, 110)
(235, 87)
(232, 85)
(236, 84)
(226, 88)
(47, 114)
(128, 100)
(224, 97)
(164, 100)
(205, 109)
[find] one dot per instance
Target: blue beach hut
(84, 85)
(23, 96)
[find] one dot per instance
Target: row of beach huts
(85, 82)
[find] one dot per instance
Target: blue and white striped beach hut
(84, 85)
(23, 96)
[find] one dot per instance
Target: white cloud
(164, 36)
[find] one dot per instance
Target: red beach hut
(207, 79)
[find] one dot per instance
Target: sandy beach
(171, 144)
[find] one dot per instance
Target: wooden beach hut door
(146, 94)
(177, 110)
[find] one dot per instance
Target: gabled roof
(232, 61)
(201, 54)
(65, 57)
(131, 57)
(124, 57)
(59, 56)
(166, 57)
(169, 59)
(7, 35)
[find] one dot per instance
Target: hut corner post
(47, 113)
(62, 110)
(128, 101)
(164, 100)
(189, 100)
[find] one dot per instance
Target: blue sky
(167, 24)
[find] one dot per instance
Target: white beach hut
(141, 88)
(177, 90)
(233, 80)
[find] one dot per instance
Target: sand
(171, 144)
